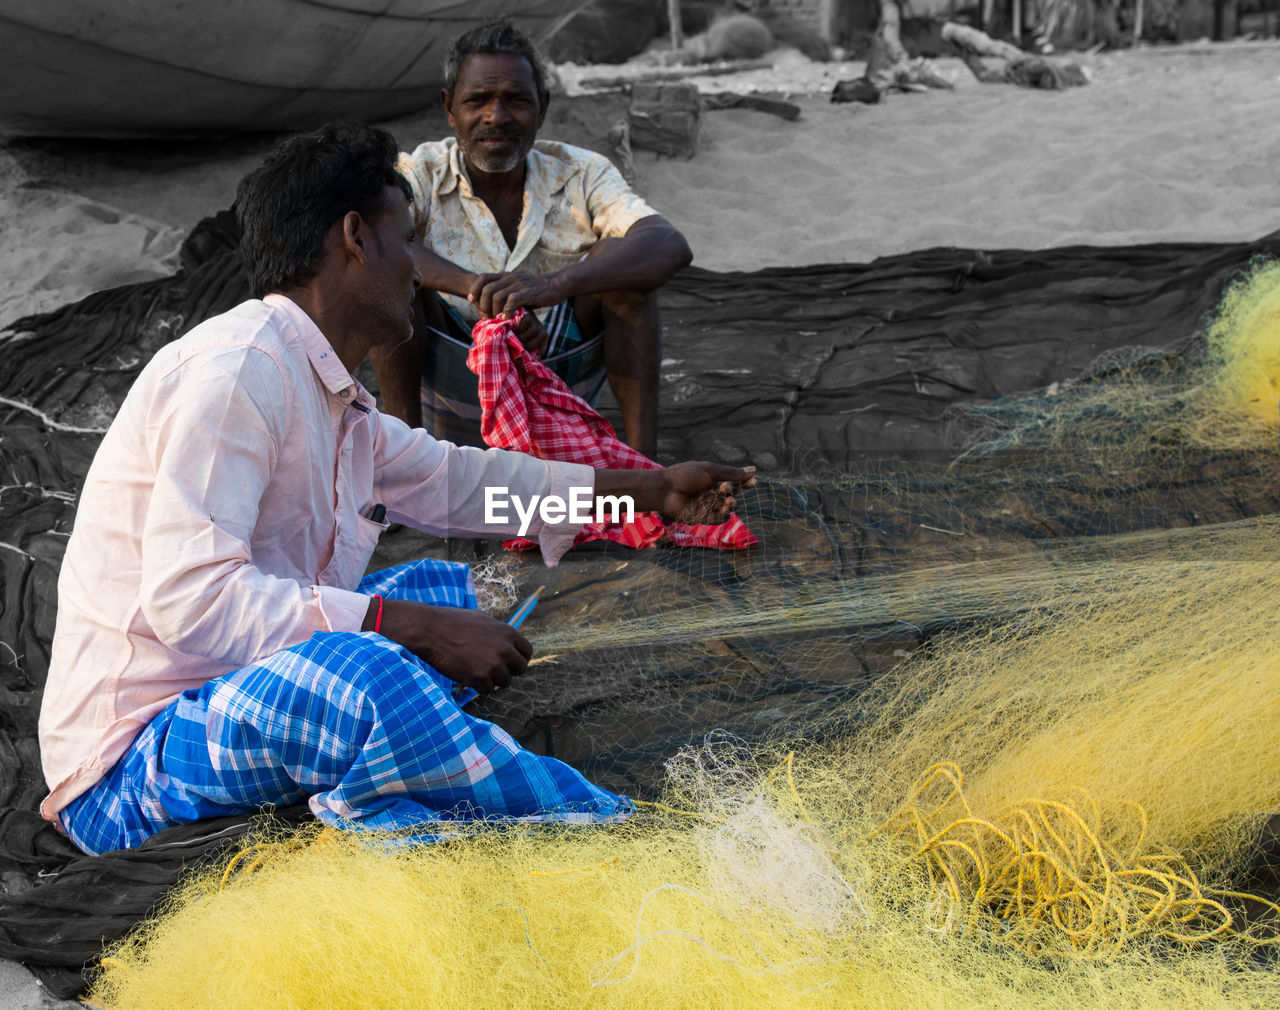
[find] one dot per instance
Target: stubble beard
(492, 164)
(390, 322)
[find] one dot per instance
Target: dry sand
(1177, 143)
(1165, 144)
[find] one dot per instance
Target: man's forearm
(439, 274)
(641, 261)
(644, 259)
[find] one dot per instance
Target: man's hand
(467, 646)
(702, 492)
(501, 294)
(533, 335)
(695, 492)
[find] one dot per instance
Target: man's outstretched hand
(467, 646)
(483, 653)
(693, 492)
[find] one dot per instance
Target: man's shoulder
(431, 158)
(250, 333)
(242, 355)
(576, 159)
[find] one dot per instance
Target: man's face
(494, 111)
(393, 277)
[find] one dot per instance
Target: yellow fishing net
(1000, 735)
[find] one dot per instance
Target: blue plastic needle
(525, 609)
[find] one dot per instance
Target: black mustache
(498, 135)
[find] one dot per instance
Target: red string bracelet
(377, 621)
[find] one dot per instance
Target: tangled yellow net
(1044, 871)
(1243, 346)
(1057, 799)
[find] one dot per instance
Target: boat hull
(147, 68)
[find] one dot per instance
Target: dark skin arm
(481, 652)
(644, 259)
(399, 366)
(438, 274)
(468, 646)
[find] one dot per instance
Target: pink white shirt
(223, 520)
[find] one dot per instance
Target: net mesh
(996, 732)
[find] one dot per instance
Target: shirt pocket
(566, 235)
(367, 533)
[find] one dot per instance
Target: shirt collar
(456, 177)
(324, 359)
(545, 174)
(548, 173)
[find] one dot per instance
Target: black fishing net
(916, 412)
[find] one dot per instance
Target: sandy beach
(1164, 144)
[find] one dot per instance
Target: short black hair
(496, 37)
(287, 205)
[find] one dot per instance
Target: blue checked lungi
(372, 734)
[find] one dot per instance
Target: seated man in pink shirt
(216, 647)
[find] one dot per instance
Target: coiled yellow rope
(1051, 880)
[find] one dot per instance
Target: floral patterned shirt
(572, 198)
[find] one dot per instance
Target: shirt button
(345, 393)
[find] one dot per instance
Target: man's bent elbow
(202, 620)
(676, 249)
(665, 248)
(684, 253)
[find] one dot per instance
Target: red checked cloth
(527, 407)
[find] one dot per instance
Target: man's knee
(339, 668)
(626, 315)
(636, 307)
(630, 303)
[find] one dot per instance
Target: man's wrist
(562, 288)
(645, 487)
(372, 614)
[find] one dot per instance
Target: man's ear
(446, 100)
(355, 234)
(542, 113)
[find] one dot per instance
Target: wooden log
(1020, 68)
(677, 26)
(970, 40)
(758, 103)
(674, 74)
(889, 32)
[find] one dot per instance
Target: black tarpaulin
(806, 372)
